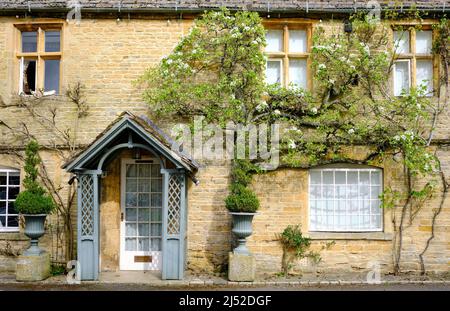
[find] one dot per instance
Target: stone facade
(106, 56)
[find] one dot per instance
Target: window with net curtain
(345, 199)
(413, 65)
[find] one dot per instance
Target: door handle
(121, 216)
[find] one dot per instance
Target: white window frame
(335, 228)
(409, 75)
(21, 74)
(7, 171)
(281, 69)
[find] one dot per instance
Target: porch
(131, 201)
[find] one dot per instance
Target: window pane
(316, 177)
(156, 229)
(273, 72)
(130, 244)
(11, 209)
(274, 41)
(315, 192)
(29, 41)
(144, 185)
(144, 244)
(131, 185)
(297, 41)
(297, 72)
(375, 178)
(52, 41)
(131, 170)
(156, 244)
(144, 214)
(423, 42)
(3, 178)
(328, 177)
(130, 214)
(2, 207)
(14, 179)
(29, 76)
(156, 214)
(2, 221)
(364, 178)
(401, 77)
(13, 192)
(156, 185)
(144, 199)
(424, 72)
(156, 200)
(401, 42)
(144, 229)
(13, 221)
(52, 75)
(2, 193)
(130, 229)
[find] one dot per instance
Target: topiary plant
(242, 199)
(34, 199)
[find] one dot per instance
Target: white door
(141, 218)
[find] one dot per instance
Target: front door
(141, 215)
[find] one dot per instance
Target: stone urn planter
(242, 228)
(34, 229)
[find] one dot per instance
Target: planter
(34, 229)
(242, 228)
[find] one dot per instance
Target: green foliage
(33, 200)
(296, 246)
(242, 200)
(216, 70)
(57, 269)
(292, 239)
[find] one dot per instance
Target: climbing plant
(217, 70)
(63, 141)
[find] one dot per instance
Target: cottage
(128, 200)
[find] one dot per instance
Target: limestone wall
(106, 56)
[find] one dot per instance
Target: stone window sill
(376, 236)
(13, 236)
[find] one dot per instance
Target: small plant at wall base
(295, 246)
(33, 203)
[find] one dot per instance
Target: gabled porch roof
(145, 130)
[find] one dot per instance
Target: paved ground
(147, 287)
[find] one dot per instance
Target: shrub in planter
(242, 204)
(242, 200)
(33, 203)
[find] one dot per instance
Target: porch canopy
(131, 132)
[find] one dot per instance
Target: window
(345, 199)
(39, 55)
(9, 188)
(287, 51)
(414, 60)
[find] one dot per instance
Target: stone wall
(106, 56)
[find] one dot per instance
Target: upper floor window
(413, 65)
(9, 188)
(39, 55)
(345, 199)
(287, 51)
